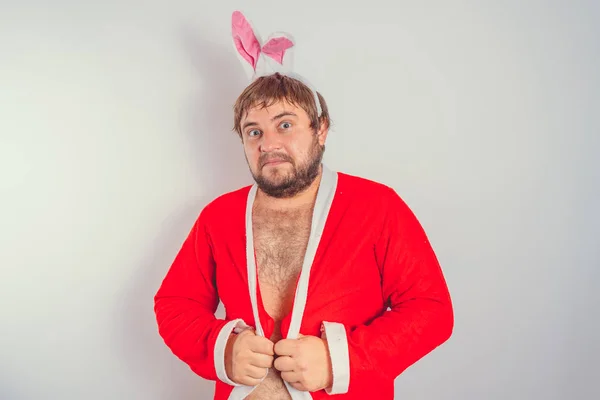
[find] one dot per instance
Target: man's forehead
(260, 112)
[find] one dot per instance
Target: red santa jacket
(370, 278)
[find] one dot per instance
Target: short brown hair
(267, 90)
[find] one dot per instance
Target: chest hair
(280, 238)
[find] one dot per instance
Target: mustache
(265, 158)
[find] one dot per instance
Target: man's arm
(185, 306)
(421, 316)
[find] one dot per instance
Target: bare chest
(280, 242)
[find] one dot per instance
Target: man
(329, 283)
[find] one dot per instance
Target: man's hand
(304, 362)
(248, 357)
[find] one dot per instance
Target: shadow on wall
(219, 166)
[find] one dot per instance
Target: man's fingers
(299, 386)
(262, 360)
(255, 372)
(295, 380)
(250, 381)
(291, 377)
(285, 347)
(284, 364)
(261, 345)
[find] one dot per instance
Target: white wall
(115, 130)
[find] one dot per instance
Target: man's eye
(286, 125)
(254, 132)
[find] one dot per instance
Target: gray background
(115, 129)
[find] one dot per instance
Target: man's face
(283, 152)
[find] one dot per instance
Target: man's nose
(270, 141)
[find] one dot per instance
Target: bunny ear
(276, 47)
(244, 39)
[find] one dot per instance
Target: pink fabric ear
(245, 41)
(276, 48)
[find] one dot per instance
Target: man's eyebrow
(248, 123)
(280, 115)
(283, 114)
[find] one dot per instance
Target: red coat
(367, 252)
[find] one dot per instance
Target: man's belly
(272, 387)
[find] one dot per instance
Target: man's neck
(304, 199)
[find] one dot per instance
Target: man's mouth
(274, 161)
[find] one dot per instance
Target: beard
(289, 183)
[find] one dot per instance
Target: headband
(275, 55)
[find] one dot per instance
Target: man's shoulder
(373, 198)
(227, 203)
(364, 187)
(233, 196)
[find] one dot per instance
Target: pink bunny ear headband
(275, 55)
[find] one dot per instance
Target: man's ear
(323, 131)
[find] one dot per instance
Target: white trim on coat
(337, 342)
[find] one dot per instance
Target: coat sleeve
(185, 306)
(420, 315)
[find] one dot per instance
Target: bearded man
(329, 283)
